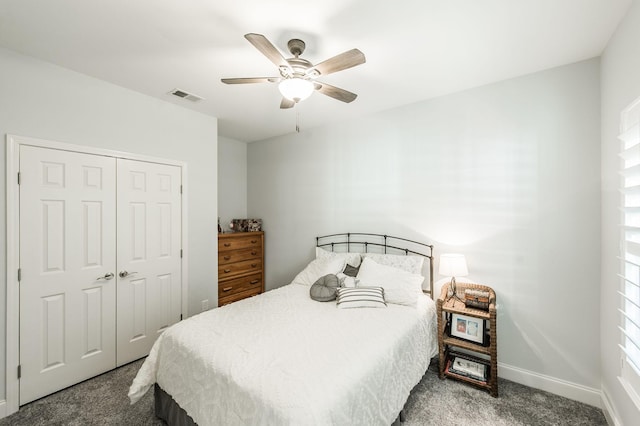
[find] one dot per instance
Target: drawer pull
(226, 271)
(254, 241)
(253, 265)
(227, 257)
(255, 282)
(253, 253)
(227, 244)
(227, 289)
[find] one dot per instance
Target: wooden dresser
(240, 266)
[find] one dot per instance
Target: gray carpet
(103, 401)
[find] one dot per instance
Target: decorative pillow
(346, 281)
(400, 287)
(324, 290)
(349, 282)
(319, 268)
(360, 297)
(350, 258)
(351, 271)
(412, 264)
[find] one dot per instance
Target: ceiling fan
(297, 78)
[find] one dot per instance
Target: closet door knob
(125, 274)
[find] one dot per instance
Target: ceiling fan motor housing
(297, 68)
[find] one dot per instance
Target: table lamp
(453, 265)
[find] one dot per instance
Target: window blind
(630, 244)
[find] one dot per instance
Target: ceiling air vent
(185, 95)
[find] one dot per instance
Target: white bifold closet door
(68, 264)
(149, 266)
(100, 264)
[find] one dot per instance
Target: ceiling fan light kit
(296, 89)
(297, 79)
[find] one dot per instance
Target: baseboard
(3, 409)
(608, 410)
(554, 385)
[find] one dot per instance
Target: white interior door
(149, 263)
(67, 256)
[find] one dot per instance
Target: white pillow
(352, 259)
(400, 287)
(319, 268)
(412, 264)
(360, 297)
(346, 280)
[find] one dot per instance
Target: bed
(281, 358)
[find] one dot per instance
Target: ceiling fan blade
(250, 80)
(286, 103)
(267, 49)
(340, 62)
(335, 92)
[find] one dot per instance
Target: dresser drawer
(239, 243)
(239, 255)
(239, 285)
(239, 296)
(239, 268)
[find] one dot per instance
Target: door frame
(13, 144)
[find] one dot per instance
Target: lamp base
(451, 294)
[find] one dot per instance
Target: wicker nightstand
(486, 353)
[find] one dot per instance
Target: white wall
(45, 101)
(507, 174)
(232, 180)
(620, 86)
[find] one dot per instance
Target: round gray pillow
(324, 290)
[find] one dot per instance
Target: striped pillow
(361, 297)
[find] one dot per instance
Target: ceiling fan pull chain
(298, 120)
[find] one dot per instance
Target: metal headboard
(361, 242)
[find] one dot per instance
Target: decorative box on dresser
(240, 266)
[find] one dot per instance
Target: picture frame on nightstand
(468, 328)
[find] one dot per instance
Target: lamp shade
(453, 265)
(296, 89)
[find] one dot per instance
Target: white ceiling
(415, 49)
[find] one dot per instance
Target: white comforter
(283, 359)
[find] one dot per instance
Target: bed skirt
(168, 410)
